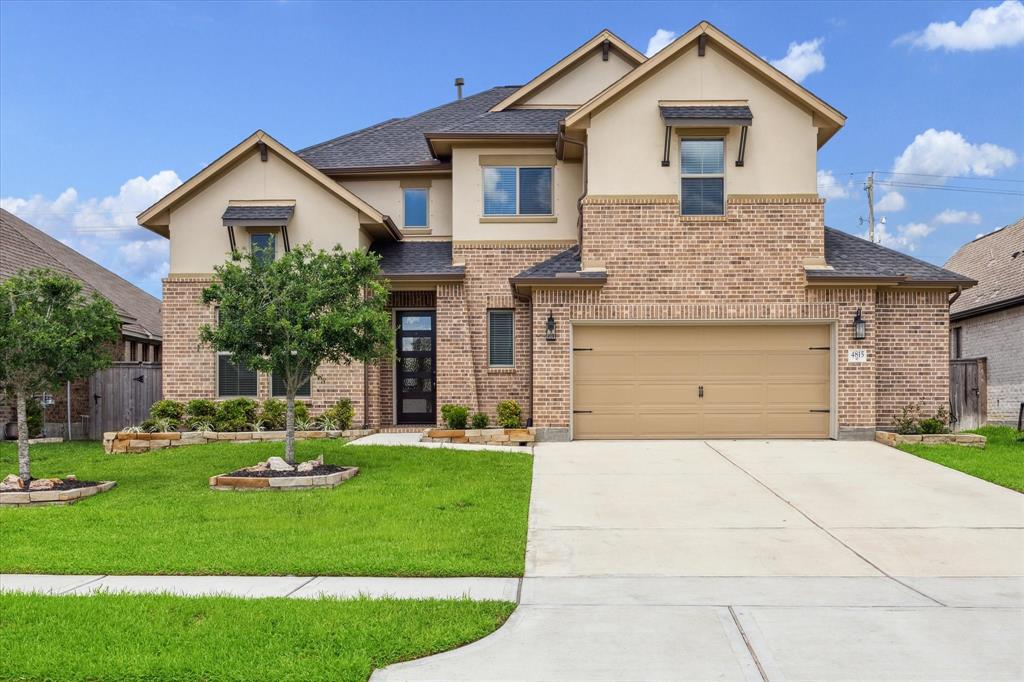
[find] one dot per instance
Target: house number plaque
(857, 355)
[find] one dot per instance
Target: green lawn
(158, 637)
(1001, 461)
(410, 512)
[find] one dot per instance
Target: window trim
(518, 215)
(512, 315)
(221, 396)
(405, 217)
(705, 176)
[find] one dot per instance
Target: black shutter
(500, 338)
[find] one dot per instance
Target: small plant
(509, 414)
(304, 424)
(258, 426)
(341, 413)
(329, 423)
(908, 421)
(481, 420)
(148, 426)
(236, 414)
(200, 425)
(162, 424)
(937, 424)
(167, 409)
(274, 413)
(132, 429)
(201, 408)
(455, 416)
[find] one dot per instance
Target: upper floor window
(511, 190)
(702, 188)
(414, 203)
(263, 247)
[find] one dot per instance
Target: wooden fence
(968, 393)
(121, 395)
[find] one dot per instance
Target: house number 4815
(857, 355)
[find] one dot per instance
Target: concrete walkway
(413, 439)
(297, 587)
(741, 560)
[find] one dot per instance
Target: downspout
(366, 395)
(959, 290)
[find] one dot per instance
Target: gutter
(987, 308)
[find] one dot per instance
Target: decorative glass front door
(415, 367)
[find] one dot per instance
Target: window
(702, 164)
(414, 202)
(956, 343)
(234, 380)
(278, 391)
(509, 190)
(500, 336)
(263, 247)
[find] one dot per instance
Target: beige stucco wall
(467, 202)
(199, 240)
(577, 85)
(626, 139)
(385, 194)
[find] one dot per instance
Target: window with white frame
(500, 338)
(517, 191)
(702, 185)
(415, 202)
(234, 380)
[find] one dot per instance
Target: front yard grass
(410, 512)
(160, 637)
(1001, 461)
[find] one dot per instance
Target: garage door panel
(759, 381)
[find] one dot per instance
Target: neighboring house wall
(998, 336)
(576, 86)
(626, 139)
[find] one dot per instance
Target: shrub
(273, 414)
(455, 416)
(167, 409)
(509, 414)
(148, 426)
(937, 424)
(34, 417)
(236, 414)
(201, 408)
(481, 420)
(907, 422)
(339, 416)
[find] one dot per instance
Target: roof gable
(155, 217)
(996, 260)
(828, 119)
(617, 48)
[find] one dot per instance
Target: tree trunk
(289, 429)
(23, 461)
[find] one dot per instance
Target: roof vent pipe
(459, 82)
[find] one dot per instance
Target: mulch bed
(321, 470)
(63, 485)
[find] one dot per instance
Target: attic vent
(605, 46)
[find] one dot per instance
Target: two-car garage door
(701, 381)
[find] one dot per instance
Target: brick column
(456, 378)
(551, 366)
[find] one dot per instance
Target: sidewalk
(414, 440)
(296, 587)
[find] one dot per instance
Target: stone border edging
(26, 498)
(226, 482)
(892, 439)
(123, 442)
(481, 436)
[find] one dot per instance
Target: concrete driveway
(754, 560)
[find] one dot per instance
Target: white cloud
(984, 29)
(891, 202)
(802, 59)
(953, 217)
(830, 188)
(903, 237)
(104, 228)
(661, 38)
(946, 152)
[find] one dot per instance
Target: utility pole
(870, 188)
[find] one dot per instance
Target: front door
(415, 369)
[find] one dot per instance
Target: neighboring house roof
(569, 61)
(150, 217)
(853, 258)
(996, 260)
(426, 260)
(23, 246)
(831, 120)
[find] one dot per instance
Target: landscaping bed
(411, 511)
(481, 436)
(116, 442)
(1001, 461)
(276, 474)
(47, 491)
(161, 637)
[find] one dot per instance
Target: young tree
(50, 333)
(291, 314)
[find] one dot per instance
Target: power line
(948, 188)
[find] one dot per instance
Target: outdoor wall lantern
(549, 327)
(860, 327)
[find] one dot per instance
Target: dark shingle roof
(996, 260)
(408, 258)
(402, 141)
(560, 265)
(855, 258)
(707, 111)
(23, 246)
(248, 213)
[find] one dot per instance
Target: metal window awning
(258, 215)
(696, 116)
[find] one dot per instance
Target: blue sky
(104, 107)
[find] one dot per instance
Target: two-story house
(630, 247)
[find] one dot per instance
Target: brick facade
(999, 337)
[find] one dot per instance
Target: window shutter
(500, 338)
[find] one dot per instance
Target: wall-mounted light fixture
(549, 327)
(860, 327)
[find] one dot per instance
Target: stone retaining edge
(122, 442)
(893, 439)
